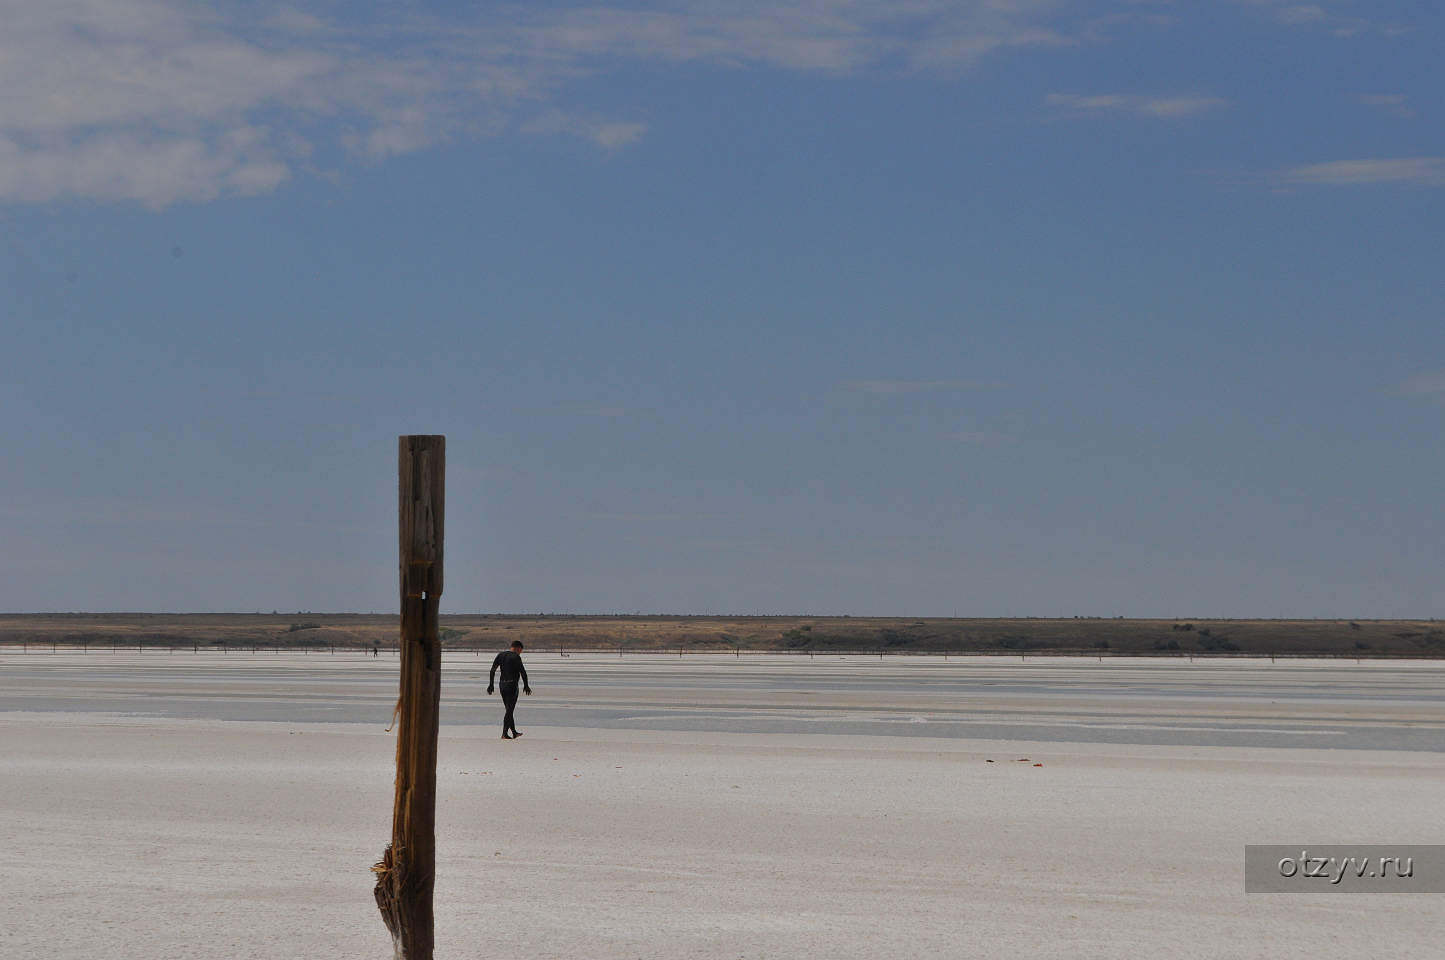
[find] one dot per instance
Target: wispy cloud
(1422, 171)
(165, 101)
(1149, 106)
(153, 170)
(1395, 104)
(1423, 385)
(892, 387)
(158, 101)
(1301, 13)
(1325, 17)
(972, 38)
(609, 134)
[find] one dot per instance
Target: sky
(916, 308)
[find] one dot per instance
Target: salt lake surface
(1337, 704)
(200, 805)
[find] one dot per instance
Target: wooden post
(406, 874)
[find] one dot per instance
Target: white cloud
(1164, 107)
(153, 171)
(87, 65)
(165, 101)
(1422, 171)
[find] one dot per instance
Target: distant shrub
(1217, 644)
(1014, 641)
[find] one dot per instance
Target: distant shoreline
(796, 634)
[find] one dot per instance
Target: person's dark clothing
(511, 663)
(509, 700)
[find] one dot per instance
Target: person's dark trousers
(509, 698)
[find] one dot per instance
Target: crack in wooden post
(406, 873)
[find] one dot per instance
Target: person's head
(516, 646)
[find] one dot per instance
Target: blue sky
(999, 307)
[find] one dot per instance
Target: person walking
(510, 663)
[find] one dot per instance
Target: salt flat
(186, 805)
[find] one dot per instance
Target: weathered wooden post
(406, 874)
